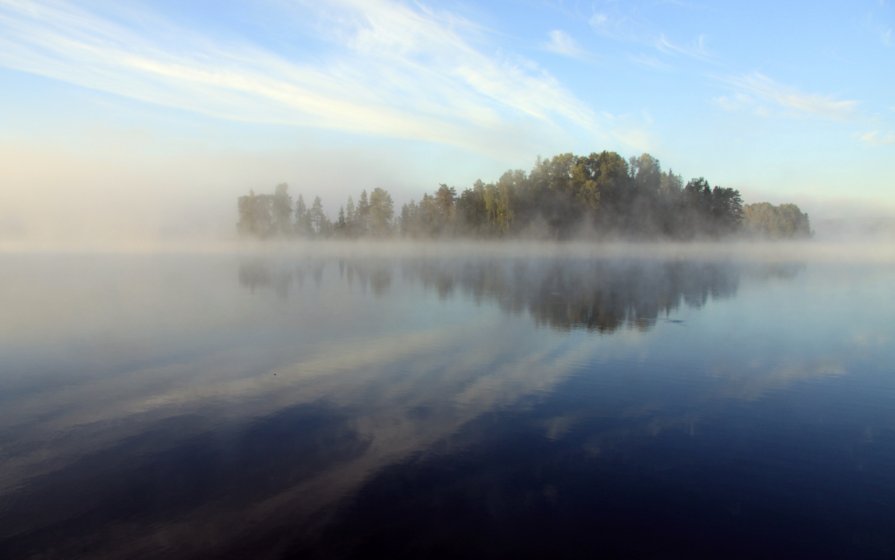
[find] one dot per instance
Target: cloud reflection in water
(313, 375)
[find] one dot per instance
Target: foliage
(255, 215)
(766, 220)
(597, 195)
(381, 210)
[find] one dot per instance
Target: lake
(448, 402)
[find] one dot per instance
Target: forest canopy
(563, 197)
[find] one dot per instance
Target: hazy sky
(151, 117)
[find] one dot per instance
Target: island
(601, 195)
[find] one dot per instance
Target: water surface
(425, 405)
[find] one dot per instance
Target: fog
(850, 250)
(109, 188)
(199, 225)
(120, 191)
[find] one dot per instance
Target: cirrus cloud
(391, 69)
(756, 90)
(562, 43)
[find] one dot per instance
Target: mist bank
(566, 197)
(851, 250)
(801, 251)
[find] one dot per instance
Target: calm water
(294, 406)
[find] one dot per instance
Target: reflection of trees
(600, 295)
(259, 275)
(375, 275)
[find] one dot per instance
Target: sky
(150, 118)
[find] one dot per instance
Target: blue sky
(169, 109)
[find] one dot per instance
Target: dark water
(311, 407)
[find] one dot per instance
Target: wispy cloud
(618, 25)
(599, 21)
(877, 23)
(627, 25)
(756, 90)
(877, 138)
(563, 44)
(649, 62)
(395, 70)
(735, 102)
(696, 49)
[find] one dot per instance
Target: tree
(667, 203)
(776, 222)
(470, 208)
(726, 210)
(381, 210)
(362, 215)
(341, 225)
(282, 209)
(350, 218)
(646, 173)
(427, 217)
(797, 223)
(302, 219)
(704, 210)
(645, 207)
(612, 182)
(320, 225)
(552, 194)
(407, 221)
(444, 203)
(255, 215)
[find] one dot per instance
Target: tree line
(563, 197)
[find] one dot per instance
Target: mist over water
(359, 399)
